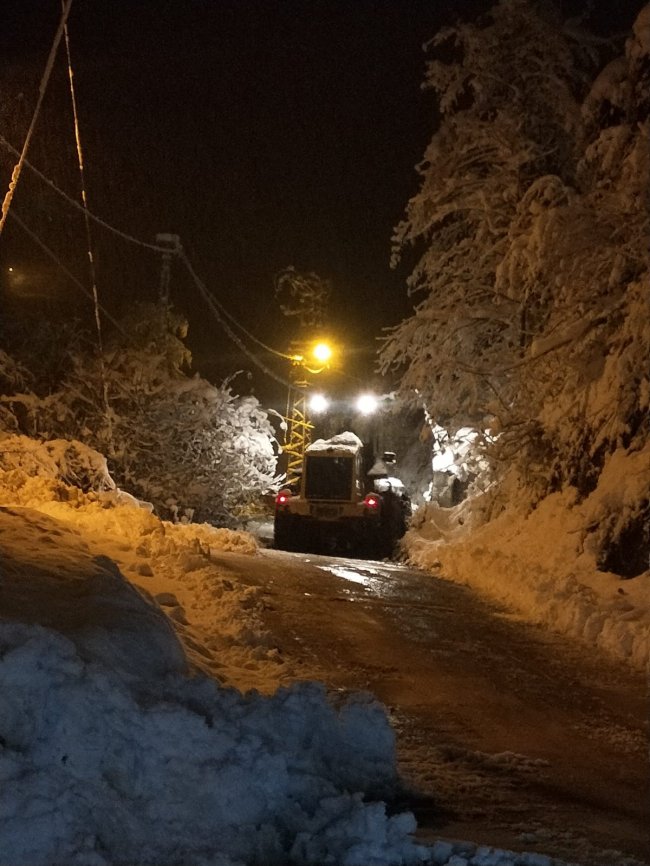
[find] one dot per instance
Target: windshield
(329, 477)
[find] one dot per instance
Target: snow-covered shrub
(193, 449)
(207, 453)
(533, 227)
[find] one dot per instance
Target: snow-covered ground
(122, 739)
(542, 565)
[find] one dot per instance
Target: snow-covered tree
(509, 117)
(532, 225)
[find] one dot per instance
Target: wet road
(506, 734)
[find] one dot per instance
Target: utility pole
(304, 296)
(298, 430)
(172, 246)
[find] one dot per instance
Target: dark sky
(266, 133)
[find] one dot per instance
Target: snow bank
(543, 564)
(173, 565)
(50, 577)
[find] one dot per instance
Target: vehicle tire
(385, 548)
(282, 535)
(376, 544)
(301, 538)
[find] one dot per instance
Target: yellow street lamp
(317, 355)
(322, 352)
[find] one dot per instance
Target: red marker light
(283, 497)
(371, 501)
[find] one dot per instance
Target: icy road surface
(506, 734)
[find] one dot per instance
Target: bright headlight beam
(367, 404)
(318, 403)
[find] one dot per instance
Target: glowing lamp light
(322, 352)
(367, 404)
(372, 501)
(318, 403)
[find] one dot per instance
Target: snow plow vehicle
(334, 511)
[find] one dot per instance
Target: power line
(91, 261)
(216, 307)
(216, 311)
(250, 336)
(212, 303)
(84, 196)
(15, 176)
(39, 174)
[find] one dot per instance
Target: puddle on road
(367, 576)
(388, 588)
(347, 574)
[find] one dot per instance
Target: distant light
(367, 404)
(318, 403)
(322, 352)
(11, 270)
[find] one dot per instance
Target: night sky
(265, 134)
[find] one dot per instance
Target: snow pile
(97, 769)
(342, 443)
(543, 564)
